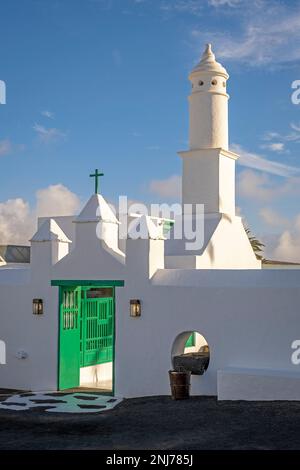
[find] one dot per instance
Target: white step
(258, 384)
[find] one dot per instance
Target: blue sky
(103, 83)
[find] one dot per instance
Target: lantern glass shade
(37, 307)
(135, 308)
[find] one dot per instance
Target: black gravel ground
(158, 423)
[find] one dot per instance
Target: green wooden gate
(69, 364)
(86, 331)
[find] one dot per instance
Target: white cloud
(261, 187)
(295, 135)
(289, 137)
(275, 147)
(288, 248)
(273, 218)
(259, 162)
(5, 147)
(255, 186)
(48, 114)
(56, 200)
(193, 7)
(296, 223)
(16, 222)
(47, 135)
(296, 127)
(285, 245)
(18, 219)
(271, 135)
(221, 3)
(168, 188)
(267, 32)
(282, 239)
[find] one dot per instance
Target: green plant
(257, 245)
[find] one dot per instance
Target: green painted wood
(86, 336)
(191, 341)
(96, 175)
(168, 224)
(97, 330)
(69, 338)
(71, 282)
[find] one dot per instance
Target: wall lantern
(37, 307)
(135, 308)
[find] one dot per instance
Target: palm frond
(257, 245)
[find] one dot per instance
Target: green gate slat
(96, 331)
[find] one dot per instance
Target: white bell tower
(208, 104)
(208, 165)
(208, 178)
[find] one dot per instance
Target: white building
(84, 281)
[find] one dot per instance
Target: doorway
(87, 337)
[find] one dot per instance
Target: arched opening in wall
(191, 352)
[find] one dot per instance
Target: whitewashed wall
(37, 335)
(249, 319)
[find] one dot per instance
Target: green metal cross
(96, 175)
